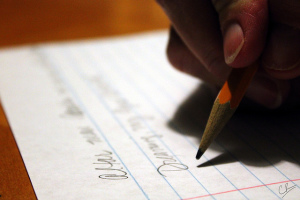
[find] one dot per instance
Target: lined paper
(111, 119)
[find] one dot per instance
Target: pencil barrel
(219, 116)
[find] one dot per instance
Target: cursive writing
(171, 167)
(109, 167)
(71, 109)
(89, 134)
(285, 190)
(169, 162)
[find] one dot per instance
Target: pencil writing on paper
(169, 162)
(226, 103)
(71, 109)
(103, 117)
(110, 167)
(284, 190)
(89, 134)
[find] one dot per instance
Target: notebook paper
(111, 119)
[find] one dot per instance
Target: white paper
(111, 119)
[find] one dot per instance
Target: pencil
(226, 103)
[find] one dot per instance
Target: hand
(208, 37)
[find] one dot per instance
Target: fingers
(207, 31)
(287, 12)
(196, 22)
(243, 24)
(264, 90)
(184, 60)
(244, 27)
(268, 91)
(281, 58)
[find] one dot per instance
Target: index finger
(197, 24)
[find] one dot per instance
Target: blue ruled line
(107, 107)
(80, 103)
(149, 127)
(128, 80)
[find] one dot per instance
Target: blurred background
(34, 21)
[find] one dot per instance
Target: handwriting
(56, 80)
(111, 170)
(171, 167)
(121, 105)
(71, 109)
(89, 134)
(136, 122)
(284, 191)
(169, 162)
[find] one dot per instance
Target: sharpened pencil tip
(199, 154)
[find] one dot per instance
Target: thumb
(244, 28)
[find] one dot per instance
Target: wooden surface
(27, 21)
(33, 21)
(14, 181)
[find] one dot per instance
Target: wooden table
(29, 21)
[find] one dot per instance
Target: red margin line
(246, 188)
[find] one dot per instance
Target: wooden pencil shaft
(236, 85)
(220, 115)
(225, 104)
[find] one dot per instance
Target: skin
(210, 37)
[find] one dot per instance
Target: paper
(111, 119)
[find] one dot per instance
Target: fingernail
(233, 42)
(266, 91)
(280, 63)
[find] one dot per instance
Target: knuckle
(215, 64)
(210, 60)
(176, 57)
